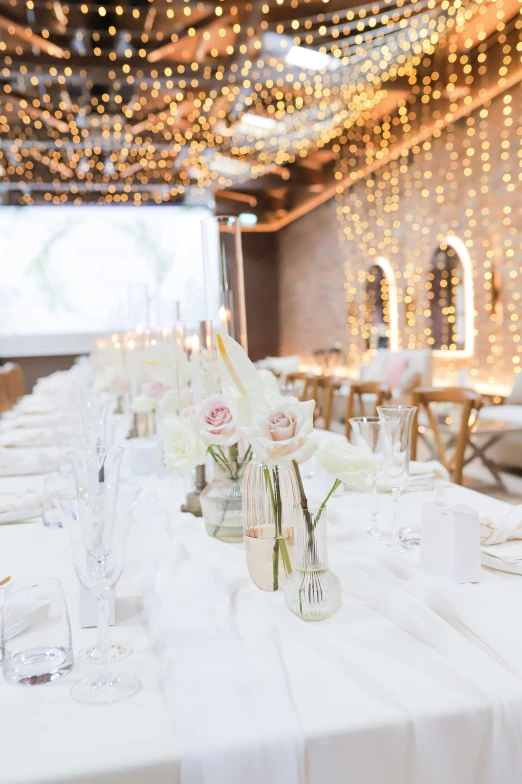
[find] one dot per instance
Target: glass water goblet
(396, 429)
(98, 531)
(367, 433)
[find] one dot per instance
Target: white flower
(143, 404)
(184, 447)
(350, 464)
(282, 433)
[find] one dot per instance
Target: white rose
(282, 433)
(184, 448)
(350, 464)
(143, 404)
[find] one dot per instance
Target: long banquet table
(414, 680)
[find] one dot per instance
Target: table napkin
(20, 462)
(232, 710)
(54, 419)
(422, 476)
(38, 436)
(500, 529)
(27, 503)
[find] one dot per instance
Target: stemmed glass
(396, 429)
(96, 472)
(367, 432)
(98, 526)
(95, 465)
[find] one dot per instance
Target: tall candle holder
(224, 277)
(193, 504)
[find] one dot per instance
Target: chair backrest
(14, 381)
(469, 402)
(381, 392)
(327, 386)
(5, 404)
(309, 384)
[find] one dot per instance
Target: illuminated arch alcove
(382, 306)
(450, 300)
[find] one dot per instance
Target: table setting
(297, 660)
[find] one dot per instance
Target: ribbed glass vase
(222, 502)
(312, 592)
(269, 495)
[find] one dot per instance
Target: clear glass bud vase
(269, 495)
(312, 592)
(222, 502)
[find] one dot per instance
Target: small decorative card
(450, 542)
(89, 608)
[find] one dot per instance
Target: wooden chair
(309, 388)
(14, 381)
(468, 401)
(327, 386)
(381, 391)
(4, 397)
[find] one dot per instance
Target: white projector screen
(67, 270)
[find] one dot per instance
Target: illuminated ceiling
(164, 101)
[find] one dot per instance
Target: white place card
(89, 608)
(450, 542)
(146, 457)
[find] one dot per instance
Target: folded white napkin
(54, 419)
(501, 528)
(38, 436)
(36, 404)
(19, 462)
(21, 612)
(14, 502)
(422, 476)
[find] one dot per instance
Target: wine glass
(95, 465)
(396, 429)
(98, 529)
(96, 473)
(367, 433)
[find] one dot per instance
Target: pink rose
(282, 425)
(155, 389)
(283, 434)
(216, 422)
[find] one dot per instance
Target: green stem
(219, 460)
(287, 564)
(275, 565)
(304, 500)
(332, 491)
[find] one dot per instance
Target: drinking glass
(367, 433)
(95, 465)
(36, 634)
(396, 429)
(58, 485)
(98, 530)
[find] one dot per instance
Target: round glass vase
(312, 592)
(222, 503)
(270, 493)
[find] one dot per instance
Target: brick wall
(468, 183)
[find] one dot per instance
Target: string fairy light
(445, 218)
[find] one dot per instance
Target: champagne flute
(98, 530)
(367, 432)
(396, 429)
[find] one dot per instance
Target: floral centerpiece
(280, 430)
(210, 429)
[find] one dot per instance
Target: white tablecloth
(413, 681)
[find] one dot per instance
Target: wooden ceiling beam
(441, 116)
(27, 35)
